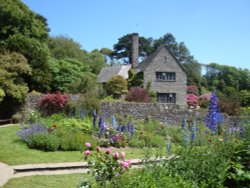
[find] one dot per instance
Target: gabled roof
(108, 72)
(145, 63)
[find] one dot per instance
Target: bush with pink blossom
(106, 165)
(192, 100)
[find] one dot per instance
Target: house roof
(108, 72)
(145, 63)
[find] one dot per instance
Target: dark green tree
(25, 32)
(13, 89)
(122, 49)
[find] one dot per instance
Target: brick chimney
(135, 50)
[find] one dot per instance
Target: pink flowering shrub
(192, 100)
(192, 90)
(105, 165)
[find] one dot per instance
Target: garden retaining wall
(168, 114)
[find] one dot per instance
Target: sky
(215, 31)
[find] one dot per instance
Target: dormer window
(165, 76)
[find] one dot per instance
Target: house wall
(164, 62)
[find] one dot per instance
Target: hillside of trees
(32, 60)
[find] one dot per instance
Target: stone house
(166, 74)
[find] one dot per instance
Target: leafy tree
(245, 98)
(135, 80)
(13, 89)
(122, 49)
(62, 47)
(97, 61)
(66, 73)
(117, 86)
(87, 85)
(107, 53)
(26, 32)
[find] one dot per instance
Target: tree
(117, 86)
(245, 98)
(66, 73)
(62, 47)
(13, 89)
(122, 49)
(26, 32)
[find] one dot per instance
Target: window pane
(165, 76)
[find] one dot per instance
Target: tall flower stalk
(211, 120)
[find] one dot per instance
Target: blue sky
(213, 30)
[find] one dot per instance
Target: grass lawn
(52, 181)
(13, 151)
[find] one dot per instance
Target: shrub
(82, 106)
(117, 86)
(138, 94)
(75, 140)
(192, 100)
(105, 166)
(52, 103)
(192, 90)
(28, 131)
(118, 140)
(44, 141)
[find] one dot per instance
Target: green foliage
(26, 32)
(117, 86)
(44, 141)
(13, 67)
(245, 98)
(75, 140)
(13, 89)
(66, 73)
(82, 106)
(238, 173)
(122, 49)
(135, 80)
(62, 47)
(105, 167)
(83, 125)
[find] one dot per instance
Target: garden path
(9, 172)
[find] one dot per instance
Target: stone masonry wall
(164, 62)
(169, 114)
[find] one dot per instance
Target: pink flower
(98, 149)
(125, 164)
(116, 155)
(108, 151)
(87, 144)
(123, 154)
(87, 153)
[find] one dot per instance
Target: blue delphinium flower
(94, 119)
(183, 123)
(101, 126)
(113, 122)
(213, 117)
(128, 127)
(193, 132)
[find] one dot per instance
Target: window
(166, 98)
(165, 76)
